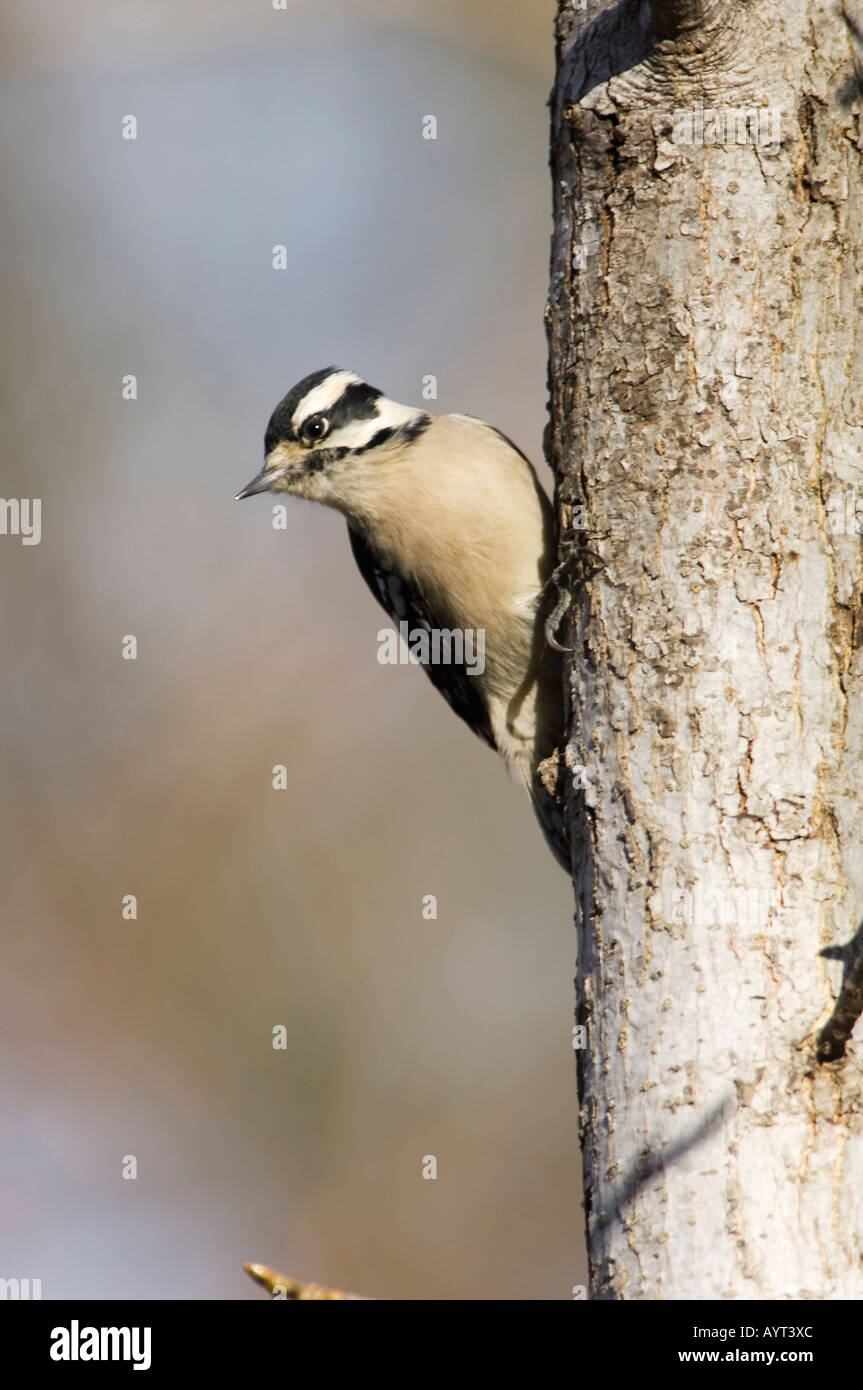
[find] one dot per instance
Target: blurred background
(256, 908)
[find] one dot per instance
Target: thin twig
(280, 1286)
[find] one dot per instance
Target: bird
(453, 533)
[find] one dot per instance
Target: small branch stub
(834, 1036)
(280, 1286)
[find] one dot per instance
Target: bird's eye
(314, 428)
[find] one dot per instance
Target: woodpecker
(451, 531)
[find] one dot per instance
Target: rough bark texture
(707, 411)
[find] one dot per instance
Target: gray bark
(707, 412)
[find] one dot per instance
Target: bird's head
(327, 426)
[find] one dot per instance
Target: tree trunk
(707, 437)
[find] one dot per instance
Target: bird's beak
(262, 483)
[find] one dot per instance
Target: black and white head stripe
(355, 415)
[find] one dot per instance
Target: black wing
(405, 604)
